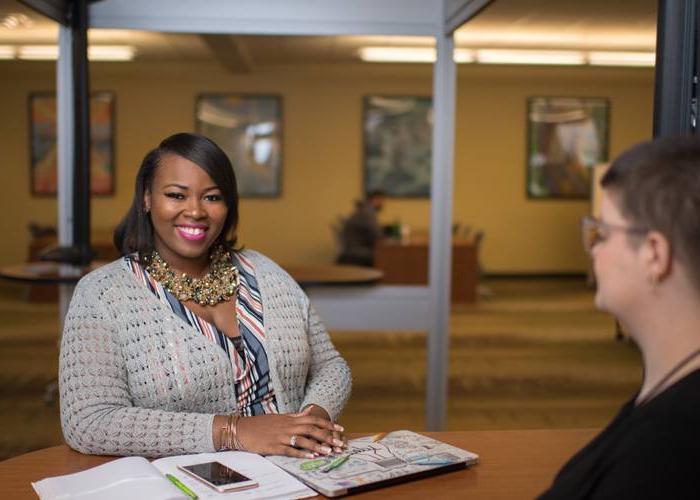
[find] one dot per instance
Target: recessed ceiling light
(410, 54)
(645, 59)
(464, 56)
(7, 52)
(95, 52)
(510, 56)
(535, 57)
(38, 52)
(16, 20)
(398, 54)
(574, 39)
(111, 52)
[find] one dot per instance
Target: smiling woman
(188, 213)
(187, 344)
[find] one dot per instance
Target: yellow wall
(322, 171)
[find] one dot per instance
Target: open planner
(136, 478)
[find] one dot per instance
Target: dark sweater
(651, 451)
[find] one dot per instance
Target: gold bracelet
(228, 434)
(223, 436)
(230, 444)
(234, 431)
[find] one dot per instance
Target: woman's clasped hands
(303, 435)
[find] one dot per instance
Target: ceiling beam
(53, 9)
(458, 12)
(231, 52)
(272, 17)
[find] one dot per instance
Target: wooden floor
(534, 355)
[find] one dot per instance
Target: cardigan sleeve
(97, 412)
(329, 381)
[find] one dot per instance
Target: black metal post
(676, 68)
(81, 95)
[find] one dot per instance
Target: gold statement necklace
(218, 285)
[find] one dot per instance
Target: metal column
(81, 131)
(675, 93)
(441, 193)
(65, 144)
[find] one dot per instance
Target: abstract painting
(566, 138)
(249, 130)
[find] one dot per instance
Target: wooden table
(47, 291)
(46, 272)
(43, 278)
(50, 273)
(333, 275)
(305, 275)
(406, 263)
(514, 465)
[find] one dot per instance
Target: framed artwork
(43, 153)
(566, 138)
(249, 130)
(398, 145)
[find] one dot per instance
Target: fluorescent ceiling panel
(95, 52)
(7, 52)
(535, 57)
(410, 54)
(644, 59)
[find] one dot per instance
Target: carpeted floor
(534, 355)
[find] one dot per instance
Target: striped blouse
(251, 371)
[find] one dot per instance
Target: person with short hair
(188, 344)
(361, 231)
(646, 256)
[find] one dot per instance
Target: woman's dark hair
(135, 232)
(657, 187)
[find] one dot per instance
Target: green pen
(180, 485)
(336, 463)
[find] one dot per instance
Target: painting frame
(43, 176)
(567, 136)
(390, 165)
(249, 128)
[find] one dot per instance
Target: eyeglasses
(595, 230)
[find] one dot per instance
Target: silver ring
(293, 441)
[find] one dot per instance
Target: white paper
(272, 481)
(131, 477)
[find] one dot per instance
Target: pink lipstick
(192, 232)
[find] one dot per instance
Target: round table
(47, 272)
(304, 274)
(332, 274)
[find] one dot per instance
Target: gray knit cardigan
(135, 379)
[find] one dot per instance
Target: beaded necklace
(218, 285)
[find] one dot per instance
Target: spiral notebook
(376, 461)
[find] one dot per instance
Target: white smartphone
(216, 475)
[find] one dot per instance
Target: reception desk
(406, 263)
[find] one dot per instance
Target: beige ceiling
(589, 24)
